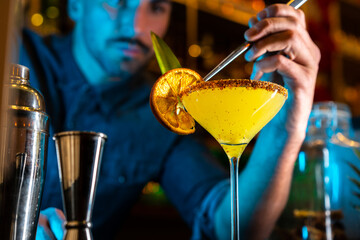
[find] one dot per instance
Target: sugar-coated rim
(270, 86)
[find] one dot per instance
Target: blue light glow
(336, 183)
(302, 161)
(305, 233)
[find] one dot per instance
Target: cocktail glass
(233, 111)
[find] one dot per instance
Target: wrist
(281, 144)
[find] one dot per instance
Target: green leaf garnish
(165, 57)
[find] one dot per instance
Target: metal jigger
(79, 156)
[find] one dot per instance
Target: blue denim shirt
(138, 148)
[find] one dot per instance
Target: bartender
(94, 79)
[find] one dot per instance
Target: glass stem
(234, 175)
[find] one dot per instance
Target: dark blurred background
(205, 31)
(202, 33)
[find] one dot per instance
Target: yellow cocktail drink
(233, 111)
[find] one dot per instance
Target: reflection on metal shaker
(22, 157)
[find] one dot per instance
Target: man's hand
(278, 28)
(51, 224)
(282, 28)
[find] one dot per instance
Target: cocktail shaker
(22, 156)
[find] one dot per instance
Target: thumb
(56, 221)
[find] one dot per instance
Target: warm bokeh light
(52, 12)
(37, 19)
(227, 8)
(194, 50)
(151, 188)
(258, 5)
(207, 52)
(351, 94)
(212, 4)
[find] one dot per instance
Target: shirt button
(121, 179)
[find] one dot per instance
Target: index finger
(281, 10)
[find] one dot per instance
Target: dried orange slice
(165, 101)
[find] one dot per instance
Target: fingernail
(253, 74)
(261, 15)
(248, 55)
(250, 32)
(256, 75)
(252, 21)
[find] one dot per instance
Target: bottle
(323, 198)
(23, 154)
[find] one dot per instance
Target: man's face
(116, 33)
